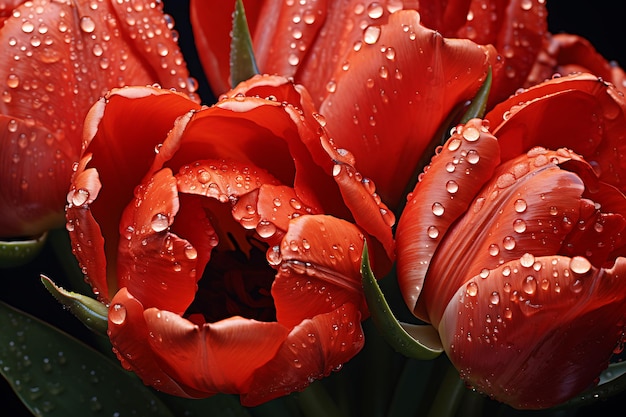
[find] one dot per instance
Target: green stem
(448, 398)
(59, 240)
(315, 401)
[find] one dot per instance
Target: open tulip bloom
(458, 151)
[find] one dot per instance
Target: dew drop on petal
(494, 298)
(452, 187)
(472, 157)
(530, 285)
(527, 260)
(508, 243)
(433, 232)
(471, 134)
(265, 229)
(520, 205)
(438, 209)
(80, 196)
(87, 24)
(471, 289)
(117, 315)
(159, 222)
(454, 144)
(519, 226)
(579, 265)
(371, 34)
(191, 252)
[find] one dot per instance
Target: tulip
(58, 58)
(226, 240)
(385, 81)
(512, 243)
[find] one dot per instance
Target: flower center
(236, 283)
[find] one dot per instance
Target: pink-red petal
(312, 350)
(318, 265)
(536, 331)
(444, 193)
(580, 112)
(218, 357)
(402, 111)
(129, 335)
(157, 266)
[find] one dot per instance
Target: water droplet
(433, 232)
(471, 289)
(579, 265)
(13, 81)
(454, 144)
(265, 229)
(438, 209)
(526, 4)
(508, 243)
(28, 27)
(519, 226)
(494, 298)
(471, 134)
(527, 260)
(452, 187)
(530, 285)
(159, 222)
(87, 24)
(273, 256)
(191, 252)
(494, 249)
(520, 205)
(117, 314)
(371, 34)
(293, 59)
(390, 53)
(472, 157)
(80, 196)
(484, 273)
(331, 87)
(375, 10)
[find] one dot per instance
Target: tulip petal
(85, 232)
(444, 193)
(129, 334)
(59, 58)
(452, 70)
(211, 29)
(312, 350)
(318, 268)
(145, 114)
(567, 54)
(530, 205)
(520, 329)
(579, 112)
(157, 266)
(218, 357)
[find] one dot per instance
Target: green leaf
(413, 341)
(479, 102)
(14, 253)
(57, 376)
(90, 312)
(242, 63)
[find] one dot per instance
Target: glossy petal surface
(57, 59)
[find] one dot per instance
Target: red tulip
(57, 59)
(566, 54)
(514, 249)
(226, 239)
